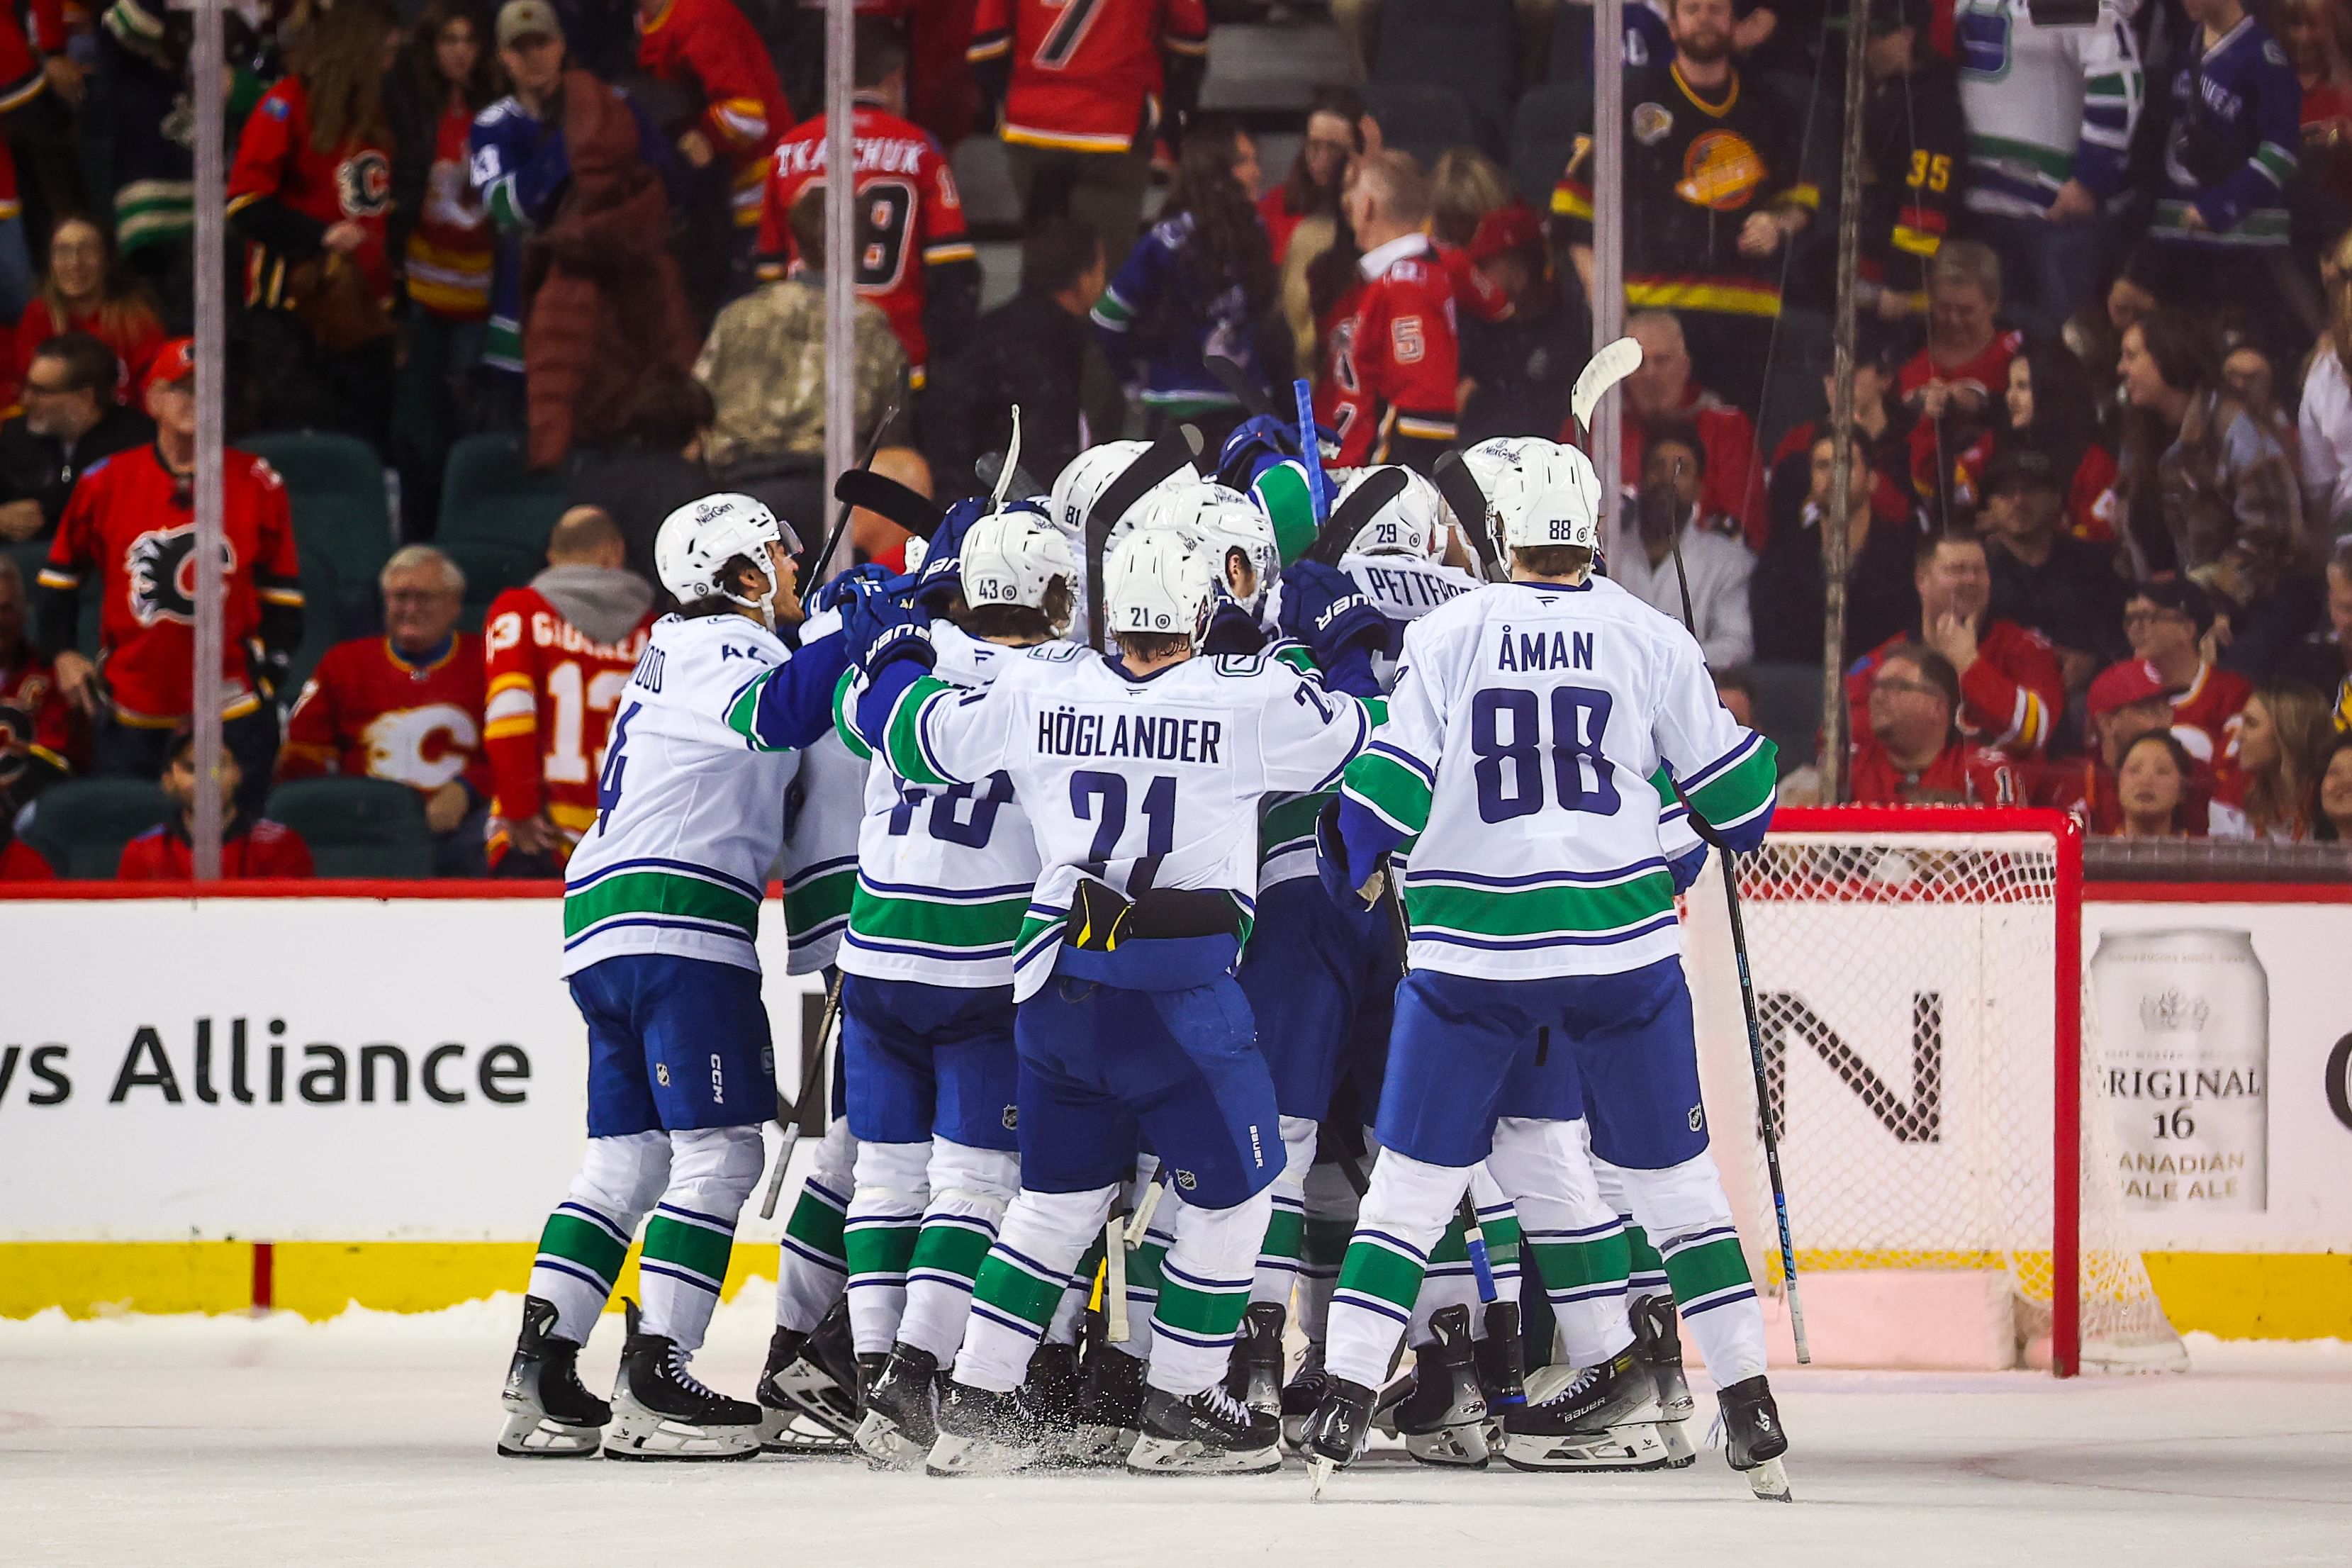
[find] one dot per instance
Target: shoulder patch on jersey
(1240, 663)
(2274, 54)
(1056, 652)
(1651, 122)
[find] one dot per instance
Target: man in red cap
(1518, 362)
(131, 531)
(2126, 701)
(1912, 754)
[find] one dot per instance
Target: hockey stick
(1601, 371)
(1141, 1225)
(1467, 498)
(788, 1113)
(1116, 1328)
(1706, 830)
(1236, 382)
(840, 518)
(1173, 451)
(888, 500)
(1310, 445)
(1474, 1239)
(1353, 513)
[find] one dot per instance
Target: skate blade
(535, 1436)
(793, 1433)
(954, 1455)
(1181, 1457)
(1098, 1448)
(1769, 1482)
(641, 1434)
(1680, 1455)
(1460, 1447)
(1633, 1446)
(1319, 1472)
(885, 1445)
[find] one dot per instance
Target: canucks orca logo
(363, 184)
(162, 564)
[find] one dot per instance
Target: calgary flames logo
(364, 183)
(1720, 169)
(422, 747)
(162, 570)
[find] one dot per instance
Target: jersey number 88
(1505, 736)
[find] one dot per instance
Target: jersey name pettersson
(1067, 732)
(1527, 652)
(1404, 587)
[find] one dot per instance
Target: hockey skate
(802, 1408)
(1442, 1417)
(1208, 1433)
(1604, 1418)
(550, 1415)
(980, 1433)
(1111, 1409)
(1335, 1434)
(1754, 1438)
(1658, 1346)
(1301, 1394)
(899, 1428)
(1255, 1378)
(1049, 1398)
(661, 1412)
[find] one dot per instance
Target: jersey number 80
(1505, 736)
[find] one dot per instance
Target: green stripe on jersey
(659, 893)
(1390, 789)
(817, 1224)
(1738, 794)
(845, 716)
(1541, 911)
(1287, 821)
(814, 901)
(1014, 1291)
(1706, 1270)
(894, 917)
(899, 746)
(1288, 502)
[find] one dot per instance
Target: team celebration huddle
(1261, 1023)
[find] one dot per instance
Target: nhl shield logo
(661, 1073)
(1012, 1117)
(1187, 1180)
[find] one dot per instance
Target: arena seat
(1543, 129)
(335, 485)
(489, 493)
(1789, 709)
(1463, 45)
(491, 566)
(79, 826)
(322, 623)
(357, 827)
(1423, 121)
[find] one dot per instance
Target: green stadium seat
(321, 624)
(1789, 709)
(335, 484)
(491, 566)
(80, 825)
(1423, 119)
(1544, 131)
(357, 827)
(488, 492)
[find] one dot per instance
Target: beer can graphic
(2184, 1065)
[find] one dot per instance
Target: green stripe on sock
(816, 1225)
(956, 1249)
(1502, 1241)
(881, 1247)
(1695, 1271)
(694, 1247)
(1570, 1265)
(1143, 1266)
(1374, 1270)
(1325, 1242)
(1286, 1234)
(1016, 1292)
(1645, 1257)
(1453, 1246)
(591, 1246)
(1207, 1313)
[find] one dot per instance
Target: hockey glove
(1684, 869)
(1232, 629)
(862, 582)
(1322, 608)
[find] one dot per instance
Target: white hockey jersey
(2044, 104)
(690, 804)
(1142, 782)
(818, 862)
(1524, 737)
(944, 875)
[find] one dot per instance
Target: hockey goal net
(1919, 977)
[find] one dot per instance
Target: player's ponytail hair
(340, 61)
(1229, 245)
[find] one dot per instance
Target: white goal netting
(1909, 999)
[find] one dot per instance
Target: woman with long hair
(2324, 452)
(2282, 731)
(1303, 216)
(1199, 285)
(2331, 813)
(2152, 792)
(86, 289)
(2050, 408)
(309, 193)
(2203, 477)
(1464, 186)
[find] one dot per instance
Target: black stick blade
(887, 499)
(1355, 510)
(1236, 381)
(1174, 450)
(1464, 493)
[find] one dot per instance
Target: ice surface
(367, 1440)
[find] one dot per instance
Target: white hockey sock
(970, 1189)
(886, 1211)
(1683, 1208)
(1648, 1276)
(1279, 1255)
(1205, 1288)
(587, 1237)
(1021, 1282)
(1331, 1200)
(1145, 1261)
(692, 1234)
(1578, 1243)
(1403, 1216)
(811, 1269)
(1452, 1279)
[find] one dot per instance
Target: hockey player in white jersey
(944, 882)
(1141, 774)
(661, 904)
(1523, 739)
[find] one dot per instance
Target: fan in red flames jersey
(558, 652)
(1912, 753)
(250, 846)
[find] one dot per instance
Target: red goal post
(1948, 1201)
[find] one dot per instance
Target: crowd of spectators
(2102, 418)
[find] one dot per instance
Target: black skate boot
(1049, 1399)
(1442, 1419)
(1301, 1394)
(1111, 1410)
(1208, 1433)
(1604, 1418)
(802, 1409)
(980, 1433)
(1256, 1376)
(898, 1428)
(1658, 1345)
(1754, 1438)
(1336, 1432)
(550, 1415)
(1502, 1364)
(661, 1412)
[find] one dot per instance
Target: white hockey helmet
(1220, 520)
(697, 541)
(1011, 558)
(1158, 584)
(1556, 500)
(1413, 524)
